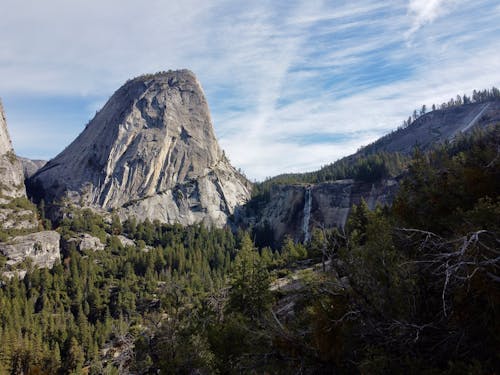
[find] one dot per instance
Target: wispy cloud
(426, 11)
(292, 85)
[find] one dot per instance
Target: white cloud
(275, 73)
(426, 11)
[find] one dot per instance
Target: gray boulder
(86, 241)
(42, 247)
(125, 241)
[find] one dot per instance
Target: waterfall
(307, 213)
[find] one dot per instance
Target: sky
(291, 85)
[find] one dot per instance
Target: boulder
(43, 248)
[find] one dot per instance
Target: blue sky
(292, 85)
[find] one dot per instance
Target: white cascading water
(307, 213)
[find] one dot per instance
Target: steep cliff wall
(295, 209)
(11, 170)
(15, 213)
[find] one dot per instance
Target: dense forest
(410, 288)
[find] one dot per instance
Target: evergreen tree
(249, 293)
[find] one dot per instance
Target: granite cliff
(11, 170)
(15, 214)
(19, 238)
(150, 153)
(296, 209)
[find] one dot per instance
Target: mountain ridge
(396, 143)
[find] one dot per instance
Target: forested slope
(412, 288)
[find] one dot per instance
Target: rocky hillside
(391, 150)
(151, 152)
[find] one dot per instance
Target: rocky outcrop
(87, 242)
(31, 166)
(18, 219)
(41, 247)
(295, 209)
(151, 153)
(125, 241)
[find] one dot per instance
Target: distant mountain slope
(387, 156)
(436, 127)
(31, 166)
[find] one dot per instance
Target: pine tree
(249, 293)
(75, 357)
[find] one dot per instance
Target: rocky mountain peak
(153, 141)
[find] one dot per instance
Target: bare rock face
(11, 171)
(151, 153)
(16, 214)
(41, 247)
(5, 142)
